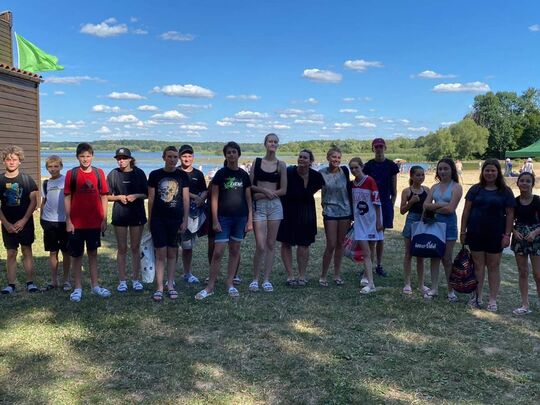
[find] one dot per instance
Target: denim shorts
(451, 224)
(411, 217)
(267, 210)
(231, 228)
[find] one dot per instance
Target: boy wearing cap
(384, 171)
(128, 189)
(197, 198)
(85, 200)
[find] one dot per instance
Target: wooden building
(19, 103)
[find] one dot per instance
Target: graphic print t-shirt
(168, 202)
(126, 183)
(365, 197)
(15, 195)
(86, 208)
(232, 192)
(54, 210)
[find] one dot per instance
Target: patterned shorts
(523, 247)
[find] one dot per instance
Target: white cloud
(322, 76)
(101, 108)
(184, 90)
(43, 94)
(59, 93)
(430, 74)
(360, 117)
(348, 110)
(71, 79)
(107, 28)
(193, 127)
(51, 124)
(256, 126)
(170, 115)
(223, 123)
(243, 97)
(417, 129)
(447, 123)
(177, 36)
(125, 96)
(281, 126)
(147, 108)
(308, 122)
(104, 130)
(342, 125)
(348, 99)
(361, 65)
(195, 106)
(368, 125)
(404, 121)
(534, 27)
(250, 115)
(124, 118)
(139, 31)
(312, 101)
(472, 87)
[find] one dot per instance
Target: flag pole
(18, 53)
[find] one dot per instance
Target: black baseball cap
(185, 149)
(122, 152)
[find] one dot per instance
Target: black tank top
(261, 175)
(417, 207)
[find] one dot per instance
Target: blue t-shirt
(382, 172)
(488, 211)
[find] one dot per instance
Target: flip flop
(407, 290)
(521, 311)
(201, 295)
(339, 281)
(158, 296)
(233, 292)
(173, 294)
(323, 283)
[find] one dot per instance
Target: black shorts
(488, 242)
(76, 241)
(387, 210)
(165, 233)
(54, 236)
(24, 238)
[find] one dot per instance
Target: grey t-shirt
(335, 196)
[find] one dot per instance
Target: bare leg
(210, 252)
(135, 236)
(286, 257)
(271, 234)
(77, 271)
(493, 261)
(53, 265)
(535, 260)
(11, 263)
(523, 268)
(260, 230)
(92, 265)
(447, 262)
(407, 260)
(420, 272)
(380, 251)
(172, 255)
(121, 233)
(343, 227)
(434, 268)
(234, 258)
(66, 265)
(219, 249)
(187, 258)
(330, 230)
(479, 259)
(369, 248)
(302, 258)
(161, 257)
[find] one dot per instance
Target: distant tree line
(498, 122)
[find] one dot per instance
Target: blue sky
(221, 70)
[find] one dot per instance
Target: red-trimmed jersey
(365, 195)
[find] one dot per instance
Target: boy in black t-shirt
(197, 198)
(18, 199)
(168, 211)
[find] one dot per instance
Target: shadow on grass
(297, 345)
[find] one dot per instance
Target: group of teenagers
(274, 200)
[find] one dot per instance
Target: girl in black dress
(299, 224)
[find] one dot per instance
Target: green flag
(33, 59)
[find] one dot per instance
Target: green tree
(439, 144)
(470, 139)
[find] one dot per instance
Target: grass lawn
(296, 345)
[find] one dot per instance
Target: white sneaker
(367, 290)
(122, 287)
(364, 281)
(137, 286)
(100, 291)
(76, 295)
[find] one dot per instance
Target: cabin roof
(23, 74)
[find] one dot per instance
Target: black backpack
(73, 182)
